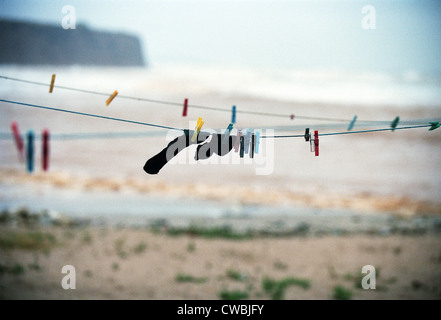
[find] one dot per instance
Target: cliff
(37, 44)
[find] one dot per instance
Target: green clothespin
(395, 123)
(434, 125)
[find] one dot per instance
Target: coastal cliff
(36, 44)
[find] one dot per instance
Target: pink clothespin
(316, 143)
(184, 112)
(18, 140)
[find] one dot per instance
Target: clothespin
(311, 144)
(233, 114)
(316, 143)
(109, 100)
(18, 139)
(292, 116)
(395, 123)
(434, 125)
(184, 111)
(45, 150)
(30, 151)
(51, 88)
(242, 145)
(253, 141)
(237, 144)
(227, 133)
(247, 141)
(197, 129)
(307, 135)
(256, 149)
(351, 125)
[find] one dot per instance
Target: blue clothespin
(351, 125)
(30, 151)
(247, 141)
(395, 123)
(233, 115)
(227, 133)
(256, 149)
(434, 125)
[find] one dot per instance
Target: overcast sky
(262, 34)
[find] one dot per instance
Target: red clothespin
(184, 111)
(45, 150)
(316, 143)
(18, 140)
(292, 116)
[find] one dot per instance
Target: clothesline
(247, 140)
(236, 110)
(78, 135)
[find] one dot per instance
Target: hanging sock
(204, 149)
(158, 161)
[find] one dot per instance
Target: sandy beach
(130, 263)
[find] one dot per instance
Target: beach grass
(341, 293)
(233, 295)
(181, 277)
(224, 232)
(27, 240)
(237, 275)
(276, 288)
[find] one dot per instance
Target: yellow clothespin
(197, 129)
(51, 88)
(114, 94)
